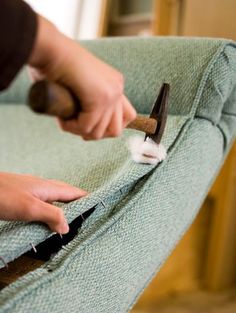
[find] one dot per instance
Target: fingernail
(84, 193)
(81, 192)
(65, 228)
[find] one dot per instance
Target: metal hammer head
(159, 113)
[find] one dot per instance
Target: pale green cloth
(141, 210)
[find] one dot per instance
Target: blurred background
(200, 274)
(88, 19)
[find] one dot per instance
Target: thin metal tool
(53, 99)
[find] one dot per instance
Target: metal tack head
(103, 203)
(4, 262)
(33, 247)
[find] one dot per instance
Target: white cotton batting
(146, 151)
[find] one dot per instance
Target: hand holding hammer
(50, 98)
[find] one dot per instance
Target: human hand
(29, 198)
(105, 110)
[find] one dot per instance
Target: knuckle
(97, 136)
(113, 92)
(116, 132)
(87, 128)
(30, 208)
(107, 96)
(59, 216)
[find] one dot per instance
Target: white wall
(76, 18)
(64, 13)
(90, 19)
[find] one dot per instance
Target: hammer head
(159, 113)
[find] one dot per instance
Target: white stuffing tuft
(146, 151)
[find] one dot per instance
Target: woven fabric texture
(141, 210)
(48, 152)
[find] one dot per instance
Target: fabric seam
(71, 254)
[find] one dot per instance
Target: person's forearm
(105, 110)
(46, 43)
(18, 26)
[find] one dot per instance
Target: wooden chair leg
(221, 256)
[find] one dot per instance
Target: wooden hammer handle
(54, 99)
(144, 124)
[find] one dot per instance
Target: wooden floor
(200, 302)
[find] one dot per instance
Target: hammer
(50, 98)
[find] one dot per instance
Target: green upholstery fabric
(141, 210)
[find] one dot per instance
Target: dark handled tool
(53, 99)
